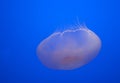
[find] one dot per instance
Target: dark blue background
(25, 23)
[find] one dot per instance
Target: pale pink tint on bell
(70, 49)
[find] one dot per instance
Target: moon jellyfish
(69, 49)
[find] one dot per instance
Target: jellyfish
(70, 49)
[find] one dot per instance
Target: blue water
(25, 23)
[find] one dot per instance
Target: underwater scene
(59, 41)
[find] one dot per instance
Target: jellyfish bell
(69, 49)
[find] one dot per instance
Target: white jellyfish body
(69, 49)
